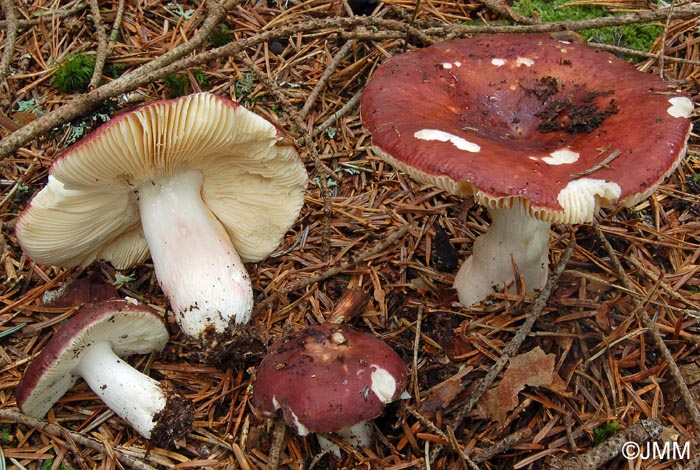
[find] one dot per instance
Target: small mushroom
(89, 289)
(199, 183)
(537, 130)
(329, 378)
(91, 345)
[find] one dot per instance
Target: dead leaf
(533, 368)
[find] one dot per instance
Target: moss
(178, 84)
(221, 35)
(635, 36)
(74, 73)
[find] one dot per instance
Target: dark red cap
(327, 377)
(560, 127)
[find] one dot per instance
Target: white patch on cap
(301, 429)
(680, 107)
(442, 136)
(524, 61)
(383, 384)
(498, 62)
(580, 198)
(449, 65)
(561, 157)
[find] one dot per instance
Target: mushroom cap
(253, 182)
(327, 377)
(130, 327)
(559, 127)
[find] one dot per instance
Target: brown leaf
(532, 368)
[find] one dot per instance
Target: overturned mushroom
(199, 183)
(91, 345)
(537, 130)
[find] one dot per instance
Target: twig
(513, 346)
(102, 44)
(503, 445)
(416, 348)
(688, 11)
(653, 329)
(330, 69)
(168, 63)
(431, 427)
(58, 13)
(640, 433)
(504, 11)
(345, 109)
(330, 272)
(114, 34)
(279, 429)
(9, 43)
(604, 164)
(83, 104)
(664, 34)
(647, 55)
(16, 416)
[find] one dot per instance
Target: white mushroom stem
(358, 435)
(513, 237)
(193, 256)
(133, 396)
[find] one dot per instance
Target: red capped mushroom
(537, 130)
(199, 183)
(91, 345)
(329, 378)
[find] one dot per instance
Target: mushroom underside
(514, 247)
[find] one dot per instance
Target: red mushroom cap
(327, 377)
(559, 126)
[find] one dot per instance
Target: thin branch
(653, 328)
(58, 13)
(345, 109)
(646, 55)
(320, 85)
(16, 416)
(114, 34)
(102, 44)
(330, 272)
(169, 63)
(513, 346)
(84, 104)
(10, 39)
(628, 440)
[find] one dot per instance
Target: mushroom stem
(133, 396)
(194, 259)
(513, 237)
(358, 435)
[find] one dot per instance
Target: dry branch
(636, 435)
(16, 416)
(653, 328)
(169, 63)
(513, 346)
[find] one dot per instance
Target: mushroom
(537, 130)
(91, 345)
(199, 182)
(89, 289)
(329, 378)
